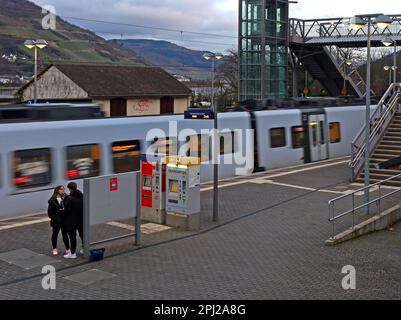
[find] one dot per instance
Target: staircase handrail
(383, 113)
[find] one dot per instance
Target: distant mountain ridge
(170, 56)
(21, 20)
(165, 53)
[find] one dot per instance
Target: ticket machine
(153, 188)
(183, 191)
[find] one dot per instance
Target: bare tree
(227, 76)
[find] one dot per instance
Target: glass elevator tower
(263, 49)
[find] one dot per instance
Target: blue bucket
(97, 254)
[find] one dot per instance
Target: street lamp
(213, 57)
(357, 23)
(388, 68)
(35, 44)
(388, 42)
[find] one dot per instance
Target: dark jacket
(55, 211)
(74, 211)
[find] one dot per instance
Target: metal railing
(332, 203)
(379, 121)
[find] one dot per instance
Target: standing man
(73, 221)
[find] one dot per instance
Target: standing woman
(55, 212)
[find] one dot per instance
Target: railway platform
(268, 244)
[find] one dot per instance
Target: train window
(32, 168)
(126, 156)
(227, 143)
(298, 137)
(277, 138)
(335, 132)
(314, 133)
(83, 161)
(167, 146)
(198, 147)
(322, 135)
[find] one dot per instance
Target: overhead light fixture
(382, 21)
(357, 23)
(387, 42)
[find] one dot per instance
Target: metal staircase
(350, 73)
(385, 139)
(327, 64)
(318, 44)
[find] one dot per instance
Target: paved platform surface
(269, 244)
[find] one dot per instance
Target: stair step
(385, 154)
(388, 183)
(391, 149)
(384, 146)
(385, 171)
(393, 138)
(381, 177)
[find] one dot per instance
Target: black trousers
(73, 240)
(56, 231)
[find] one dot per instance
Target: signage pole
(216, 158)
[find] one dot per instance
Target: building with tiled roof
(119, 90)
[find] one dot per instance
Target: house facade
(119, 90)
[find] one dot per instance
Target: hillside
(21, 20)
(174, 58)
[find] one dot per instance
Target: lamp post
(346, 63)
(35, 44)
(388, 42)
(213, 57)
(357, 23)
(388, 68)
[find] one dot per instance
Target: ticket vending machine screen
(147, 183)
(173, 186)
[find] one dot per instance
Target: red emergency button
(113, 184)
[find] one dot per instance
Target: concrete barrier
(379, 222)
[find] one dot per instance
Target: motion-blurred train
(37, 156)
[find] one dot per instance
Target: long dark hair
(56, 190)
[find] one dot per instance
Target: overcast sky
(205, 16)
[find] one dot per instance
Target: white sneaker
(55, 252)
(70, 256)
(81, 251)
(67, 252)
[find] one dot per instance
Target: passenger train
(37, 156)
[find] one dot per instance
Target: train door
(316, 146)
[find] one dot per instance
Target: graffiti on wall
(142, 105)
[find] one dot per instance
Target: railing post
(352, 160)
(380, 196)
(353, 211)
(332, 219)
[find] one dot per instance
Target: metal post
(345, 73)
(395, 62)
(138, 219)
(216, 157)
(86, 226)
(306, 80)
(35, 87)
(353, 211)
(367, 120)
(380, 196)
(295, 80)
